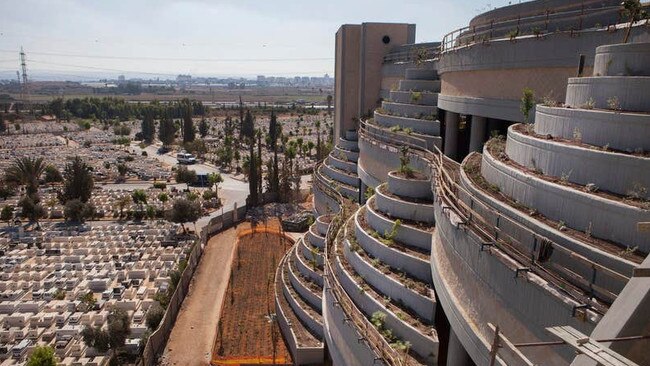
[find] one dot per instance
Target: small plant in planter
(404, 168)
(416, 96)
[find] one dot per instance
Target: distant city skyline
(225, 38)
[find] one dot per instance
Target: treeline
(117, 108)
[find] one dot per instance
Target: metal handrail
(411, 54)
(485, 32)
(448, 189)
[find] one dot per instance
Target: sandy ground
(192, 337)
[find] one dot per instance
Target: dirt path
(192, 337)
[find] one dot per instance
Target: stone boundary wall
(158, 339)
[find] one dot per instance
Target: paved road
(232, 190)
(192, 337)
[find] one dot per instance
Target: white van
(185, 158)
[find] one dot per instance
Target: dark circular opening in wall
(386, 39)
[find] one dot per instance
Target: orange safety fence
(236, 361)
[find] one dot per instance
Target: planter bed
(310, 252)
(323, 223)
(308, 290)
(418, 187)
(412, 233)
(315, 275)
(427, 98)
(308, 316)
(415, 266)
(350, 155)
(422, 126)
(315, 238)
(406, 326)
(403, 207)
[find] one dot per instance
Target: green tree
(42, 356)
(52, 174)
(32, 209)
(248, 131)
(78, 181)
(214, 179)
(188, 124)
(148, 126)
(56, 108)
(203, 128)
(119, 328)
(329, 104)
(26, 171)
(167, 130)
(77, 211)
(527, 103)
(122, 203)
(155, 314)
(633, 11)
(3, 124)
(184, 175)
(275, 130)
(163, 198)
(139, 197)
(88, 301)
(7, 214)
(122, 169)
(184, 211)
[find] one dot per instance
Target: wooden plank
(505, 343)
(589, 347)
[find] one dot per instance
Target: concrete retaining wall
(423, 306)
(625, 59)
(337, 175)
(422, 126)
(631, 92)
(402, 209)
(315, 238)
(346, 165)
(426, 98)
(345, 344)
(306, 270)
(530, 231)
(310, 323)
(323, 203)
(350, 155)
(415, 267)
(367, 179)
(420, 343)
(421, 74)
(610, 220)
(322, 225)
(405, 233)
(348, 144)
(420, 85)
(410, 110)
(622, 131)
(504, 109)
(412, 188)
(613, 172)
(309, 255)
(303, 291)
(475, 287)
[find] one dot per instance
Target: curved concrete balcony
(632, 93)
(421, 74)
(324, 204)
(420, 85)
(322, 224)
(348, 144)
(425, 345)
(308, 290)
(581, 258)
(406, 233)
(625, 59)
(342, 153)
(410, 110)
(401, 137)
(605, 218)
(411, 262)
(305, 348)
(345, 165)
(423, 126)
(401, 208)
(522, 305)
(343, 188)
(307, 315)
(422, 305)
(409, 187)
(315, 237)
(348, 178)
(407, 97)
(347, 345)
(609, 171)
(617, 130)
(313, 273)
(311, 253)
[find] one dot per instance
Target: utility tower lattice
(23, 65)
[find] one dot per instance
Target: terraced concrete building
(493, 205)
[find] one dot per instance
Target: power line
(145, 58)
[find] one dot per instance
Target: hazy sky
(203, 37)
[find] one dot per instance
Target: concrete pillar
(477, 134)
(451, 134)
(456, 354)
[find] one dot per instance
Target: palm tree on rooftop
(26, 171)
